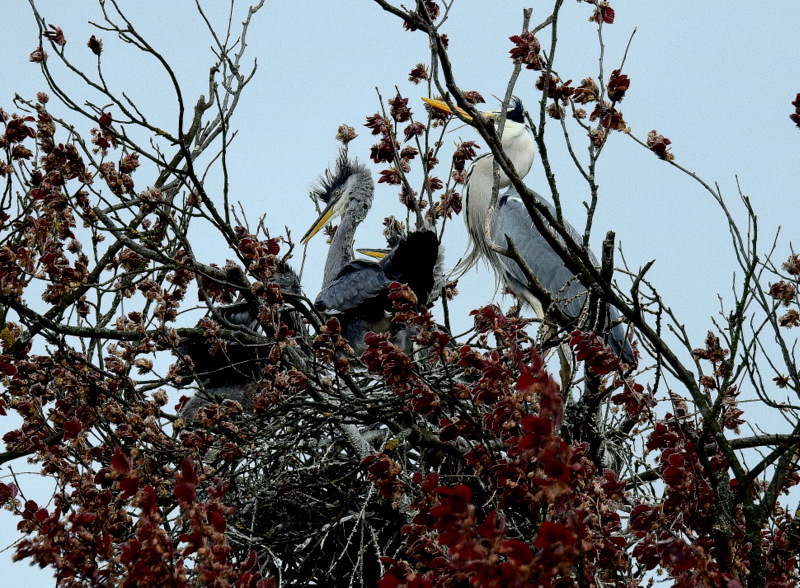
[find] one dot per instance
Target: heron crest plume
(330, 181)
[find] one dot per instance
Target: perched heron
(233, 372)
(356, 291)
(511, 218)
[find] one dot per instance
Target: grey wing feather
(358, 282)
(241, 314)
(243, 393)
(512, 219)
(618, 339)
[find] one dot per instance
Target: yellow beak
(324, 218)
(441, 105)
(376, 253)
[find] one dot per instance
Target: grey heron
(356, 291)
(511, 218)
(234, 371)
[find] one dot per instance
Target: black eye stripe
(515, 111)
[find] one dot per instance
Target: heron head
(514, 112)
(515, 115)
(336, 189)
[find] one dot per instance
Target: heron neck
(478, 199)
(519, 146)
(340, 252)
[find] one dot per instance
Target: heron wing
(415, 261)
(511, 218)
(359, 284)
(240, 314)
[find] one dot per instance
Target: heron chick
(233, 370)
(356, 291)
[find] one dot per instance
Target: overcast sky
(717, 78)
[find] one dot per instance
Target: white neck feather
(519, 146)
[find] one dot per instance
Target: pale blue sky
(717, 78)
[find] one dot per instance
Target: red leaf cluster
(385, 150)
(330, 347)
(413, 130)
(55, 35)
(783, 291)
(263, 255)
(603, 13)
(790, 319)
(404, 302)
(526, 50)
(7, 493)
(17, 130)
(449, 204)
(399, 109)
(731, 413)
(473, 97)
(385, 472)
(95, 45)
(633, 397)
(659, 145)
(432, 9)
(593, 350)
(608, 117)
(388, 149)
(795, 116)
(418, 74)
(489, 318)
(617, 86)
(394, 365)
(713, 353)
(104, 136)
(345, 134)
(465, 151)
(587, 91)
(398, 371)
(38, 55)
(792, 265)
(558, 91)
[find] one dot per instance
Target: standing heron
(511, 219)
(356, 291)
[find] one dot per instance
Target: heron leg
(565, 357)
(567, 369)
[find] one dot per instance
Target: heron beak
(375, 253)
(441, 105)
(321, 221)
